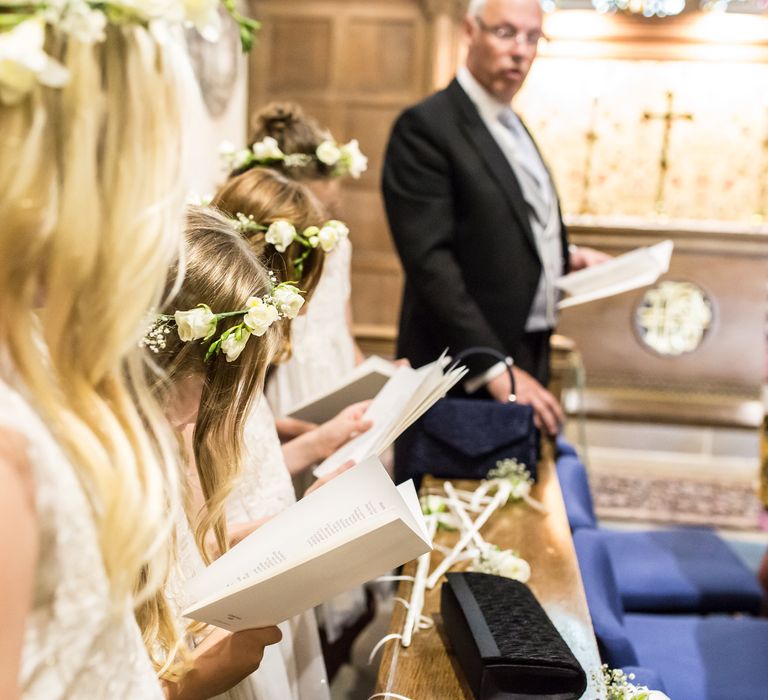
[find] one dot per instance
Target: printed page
(384, 410)
(339, 510)
(361, 384)
(390, 543)
(411, 499)
(624, 273)
(444, 384)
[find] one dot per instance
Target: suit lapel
(494, 159)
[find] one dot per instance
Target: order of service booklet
(632, 270)
(354, 528)
(404, 399)
(362, 383)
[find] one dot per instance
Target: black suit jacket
(461, 228)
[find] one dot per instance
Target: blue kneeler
(683, 570)
(697, 658)
(679, 570)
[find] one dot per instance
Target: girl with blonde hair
(89, 205)
(212, 396)
(91, 191)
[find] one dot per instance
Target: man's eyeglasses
(506, 32)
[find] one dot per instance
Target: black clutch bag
(464, 438)
(506, 645)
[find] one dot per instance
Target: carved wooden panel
(299, 53)
(380, 55)
(626, 377)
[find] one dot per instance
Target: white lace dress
(293, 669)
(323, 350)
(75, 647)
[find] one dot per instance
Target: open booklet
(623, 273)
(404, 399)
(362, 383)
(356, 527)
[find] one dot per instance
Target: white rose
(24, 64)
(328, 237)
(267, 149)
(341, 228)
(227, 149)
(432, 504)
(519, 490)
(655, 695)
(195, 323)
(170, 11)
(260, 316)
(328, 152)
(204, 16)
(77, 19)
(502, 563)
(281, 234)
(232, 347)
(641, 692)
(515, 568)
(354, 159)
(241, 158)
(199, 200)
(288, 300)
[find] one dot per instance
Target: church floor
(356, 680)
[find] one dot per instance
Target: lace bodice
(74, 646)
(264, 488)
(321, 344)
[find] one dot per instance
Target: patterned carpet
(676, 501)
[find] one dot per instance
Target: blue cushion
(682, 570)
(645, 676)
(704, 658)
(563, 447)
(575, 487)
(603, 599)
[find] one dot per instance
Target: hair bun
(279, 116)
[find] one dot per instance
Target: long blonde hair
(91, 197)
(222, 272)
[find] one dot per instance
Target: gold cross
(668, 118)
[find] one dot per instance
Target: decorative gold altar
(654, 118)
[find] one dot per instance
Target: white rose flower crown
(343, 159)
(284, 301)
(282, 233)
(25, 64)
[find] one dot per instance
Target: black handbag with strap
(504, 642)
(463, 438)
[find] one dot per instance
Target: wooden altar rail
(428, 670)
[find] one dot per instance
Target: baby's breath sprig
(619, 686)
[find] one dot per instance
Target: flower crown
(200, 323)
(282, 233)
(343, 159)
(24, 62)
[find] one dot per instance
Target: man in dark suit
(475, 216)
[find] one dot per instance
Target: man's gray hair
(476, 7)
